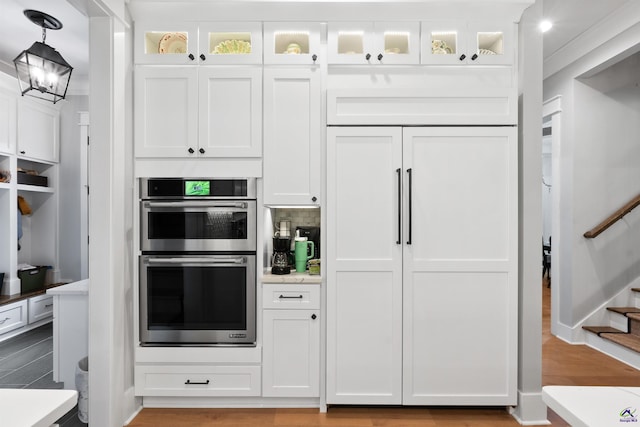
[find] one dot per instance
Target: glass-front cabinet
(198, 43)
(457, 42)
(166, 43)
(374, 43)
(230, 43)
(292, 43)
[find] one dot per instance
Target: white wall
(600, 153)
(70, 188)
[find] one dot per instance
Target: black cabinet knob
(368, 56)
(314, 198)
(379, 57)
(204, 58)
(191, 150)
(191, 57)
(23, 152)
(462, 57)
(201, 151)
(314, 317)
(314, 57)
(474, 57)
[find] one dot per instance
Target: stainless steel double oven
(198, 261)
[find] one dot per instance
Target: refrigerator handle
(409, 206)
(399, 172)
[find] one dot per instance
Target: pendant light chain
(44, 34)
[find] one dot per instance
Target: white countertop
(34, 407)
(74, 288)
(293, 277)
(594, 406)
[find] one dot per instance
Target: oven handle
(185, 204)
(195, 260)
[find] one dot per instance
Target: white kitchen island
(599, 406)
(70, 329)
(34, 407)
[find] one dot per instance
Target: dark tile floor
(26, 361)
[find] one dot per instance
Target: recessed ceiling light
(545, 25)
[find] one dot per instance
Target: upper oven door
(198, 225)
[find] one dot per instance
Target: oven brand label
(237, 335)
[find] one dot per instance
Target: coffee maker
(280, 260)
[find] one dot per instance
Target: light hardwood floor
(563, 364)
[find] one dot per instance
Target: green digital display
(197, 188)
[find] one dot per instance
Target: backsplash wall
(298, 217)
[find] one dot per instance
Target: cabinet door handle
(48, 305)
(191, 150)
(314, 198)
(191, 57)
(379, 57)
(314, 317)
(368, 56)
(204, 58)
(289, 297)
(4, 320)
(463, 57)
(23, 152)
(189, 382)
(399, 172)
(314, 57)
(410, 207)
(201, 151)
(474, 57)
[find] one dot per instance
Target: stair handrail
(613, 218)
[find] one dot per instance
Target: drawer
(165, 380)
(40, 307)
(300, 297)
(13, 316)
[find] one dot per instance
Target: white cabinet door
(460, 267)
(291, 353)
(364, 266)
(230, 112)
(166, 111)
(292, 130)
(38, 131)
(7, 122)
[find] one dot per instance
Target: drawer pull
(189, 382)
(4, 320)
(288, 297)
(48, 305)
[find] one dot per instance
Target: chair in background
(546, 261)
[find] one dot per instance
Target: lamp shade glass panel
(44, 71)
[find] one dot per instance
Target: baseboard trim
(531, 409)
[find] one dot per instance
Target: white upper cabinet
(292, 129)
(458, 42)
(198, 112)
(7, 122)
(38, 132)
(374, 43)
(198, 43)
(292, 43)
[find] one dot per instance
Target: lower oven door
(198, 300)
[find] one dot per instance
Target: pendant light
(42, 71)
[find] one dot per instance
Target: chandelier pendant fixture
(42, 72)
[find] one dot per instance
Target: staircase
(629, 338)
